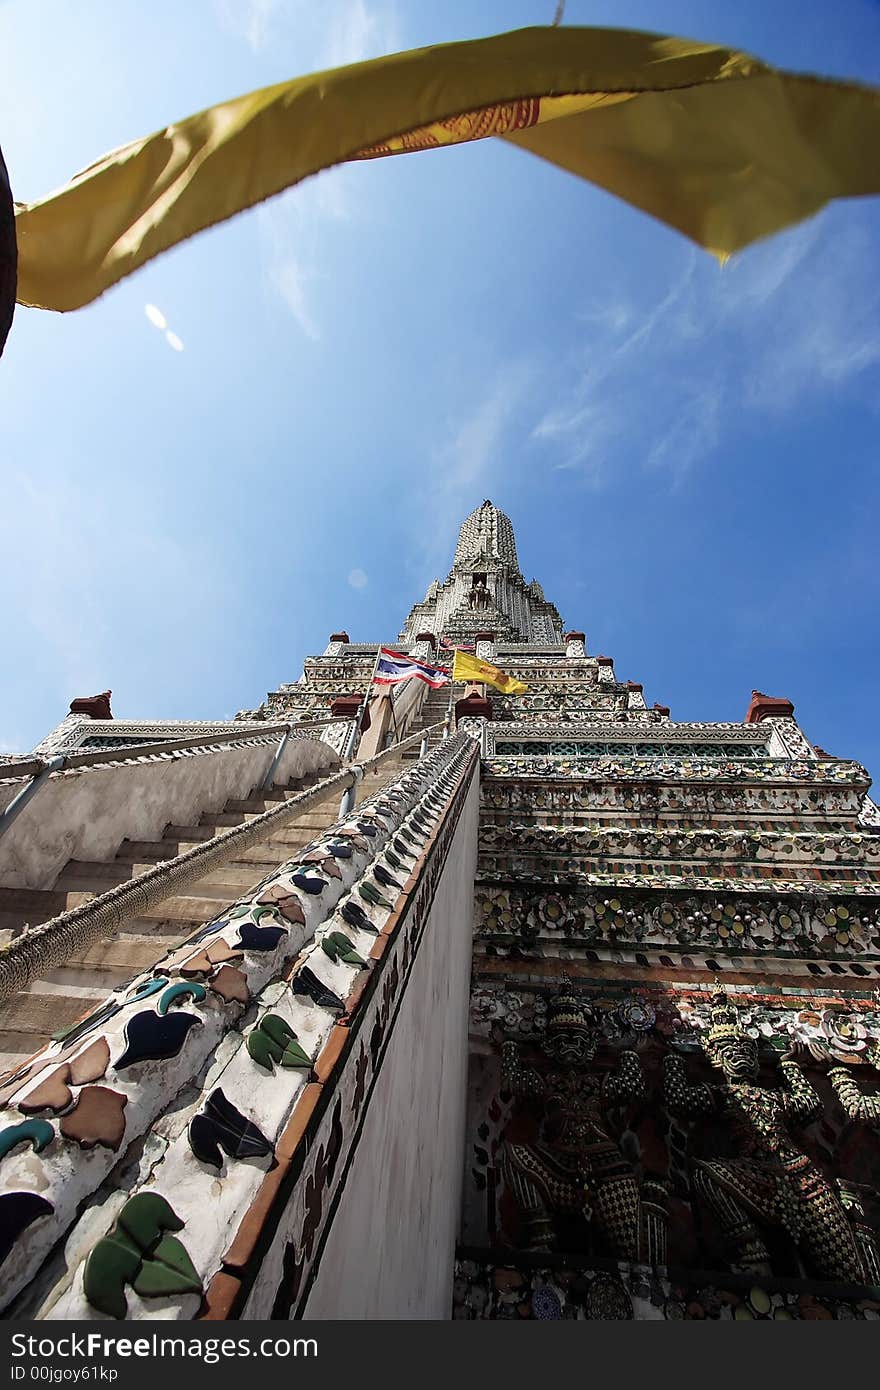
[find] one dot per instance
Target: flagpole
(393, 719)
(365, 700)
(451, 688)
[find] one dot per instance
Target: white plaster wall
(391, 1246)
(87, 814)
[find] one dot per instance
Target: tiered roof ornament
(488, 534)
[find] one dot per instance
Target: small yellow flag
(471, 668)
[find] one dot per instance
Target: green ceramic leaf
(276, 1028)
(372, 895)
(119, 1237)
(109, 1267)
(239, 912)
(295, 1057)
(263, 1050)
(167, 1270)
(351, 958)
(329, 947)
(145, 1216)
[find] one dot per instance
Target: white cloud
(358, 32)
(288, 276)
(293, 231)
(787, 322)
(293, 226)
(357, 579)
(173, 341)
(325, 36)
(253, 20)
(474, 446)
(467, 466)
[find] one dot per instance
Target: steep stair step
(41, 1015)
(314, 820)
(126, 953)
(152, 851)
(259, 859)
(188, 909)
(226, 883)
(34, 905)
(188, 832)
(264, 802)
(84, 876)
(224, 819)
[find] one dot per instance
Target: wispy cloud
(253, 20)
(292, 227)
(469, 462)
(284, 230)
(326, 35)
(358, 31)
(788, 322)
(357, 579)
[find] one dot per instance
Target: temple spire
(486, 534)
(485, 590)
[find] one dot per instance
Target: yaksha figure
(576, 1167)
(772, 1182)
(479, 595)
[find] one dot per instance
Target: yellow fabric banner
(709, 140)
(470, 668)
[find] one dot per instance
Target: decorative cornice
(793, 921)
(781, 770)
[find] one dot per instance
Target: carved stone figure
(576, 1167)
(479, 594)
(773, 1183)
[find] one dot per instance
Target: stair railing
(48, 945)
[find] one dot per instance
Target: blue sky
(689, 454)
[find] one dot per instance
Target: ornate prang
(772, 1182)
(576, 1168)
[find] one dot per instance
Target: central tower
(485, 589)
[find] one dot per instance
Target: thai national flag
(393, 667)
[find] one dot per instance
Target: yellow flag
(708, 140)
(470, 668)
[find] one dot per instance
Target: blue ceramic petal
(150, 1038)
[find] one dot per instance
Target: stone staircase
(64, 994)
(433, 711)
